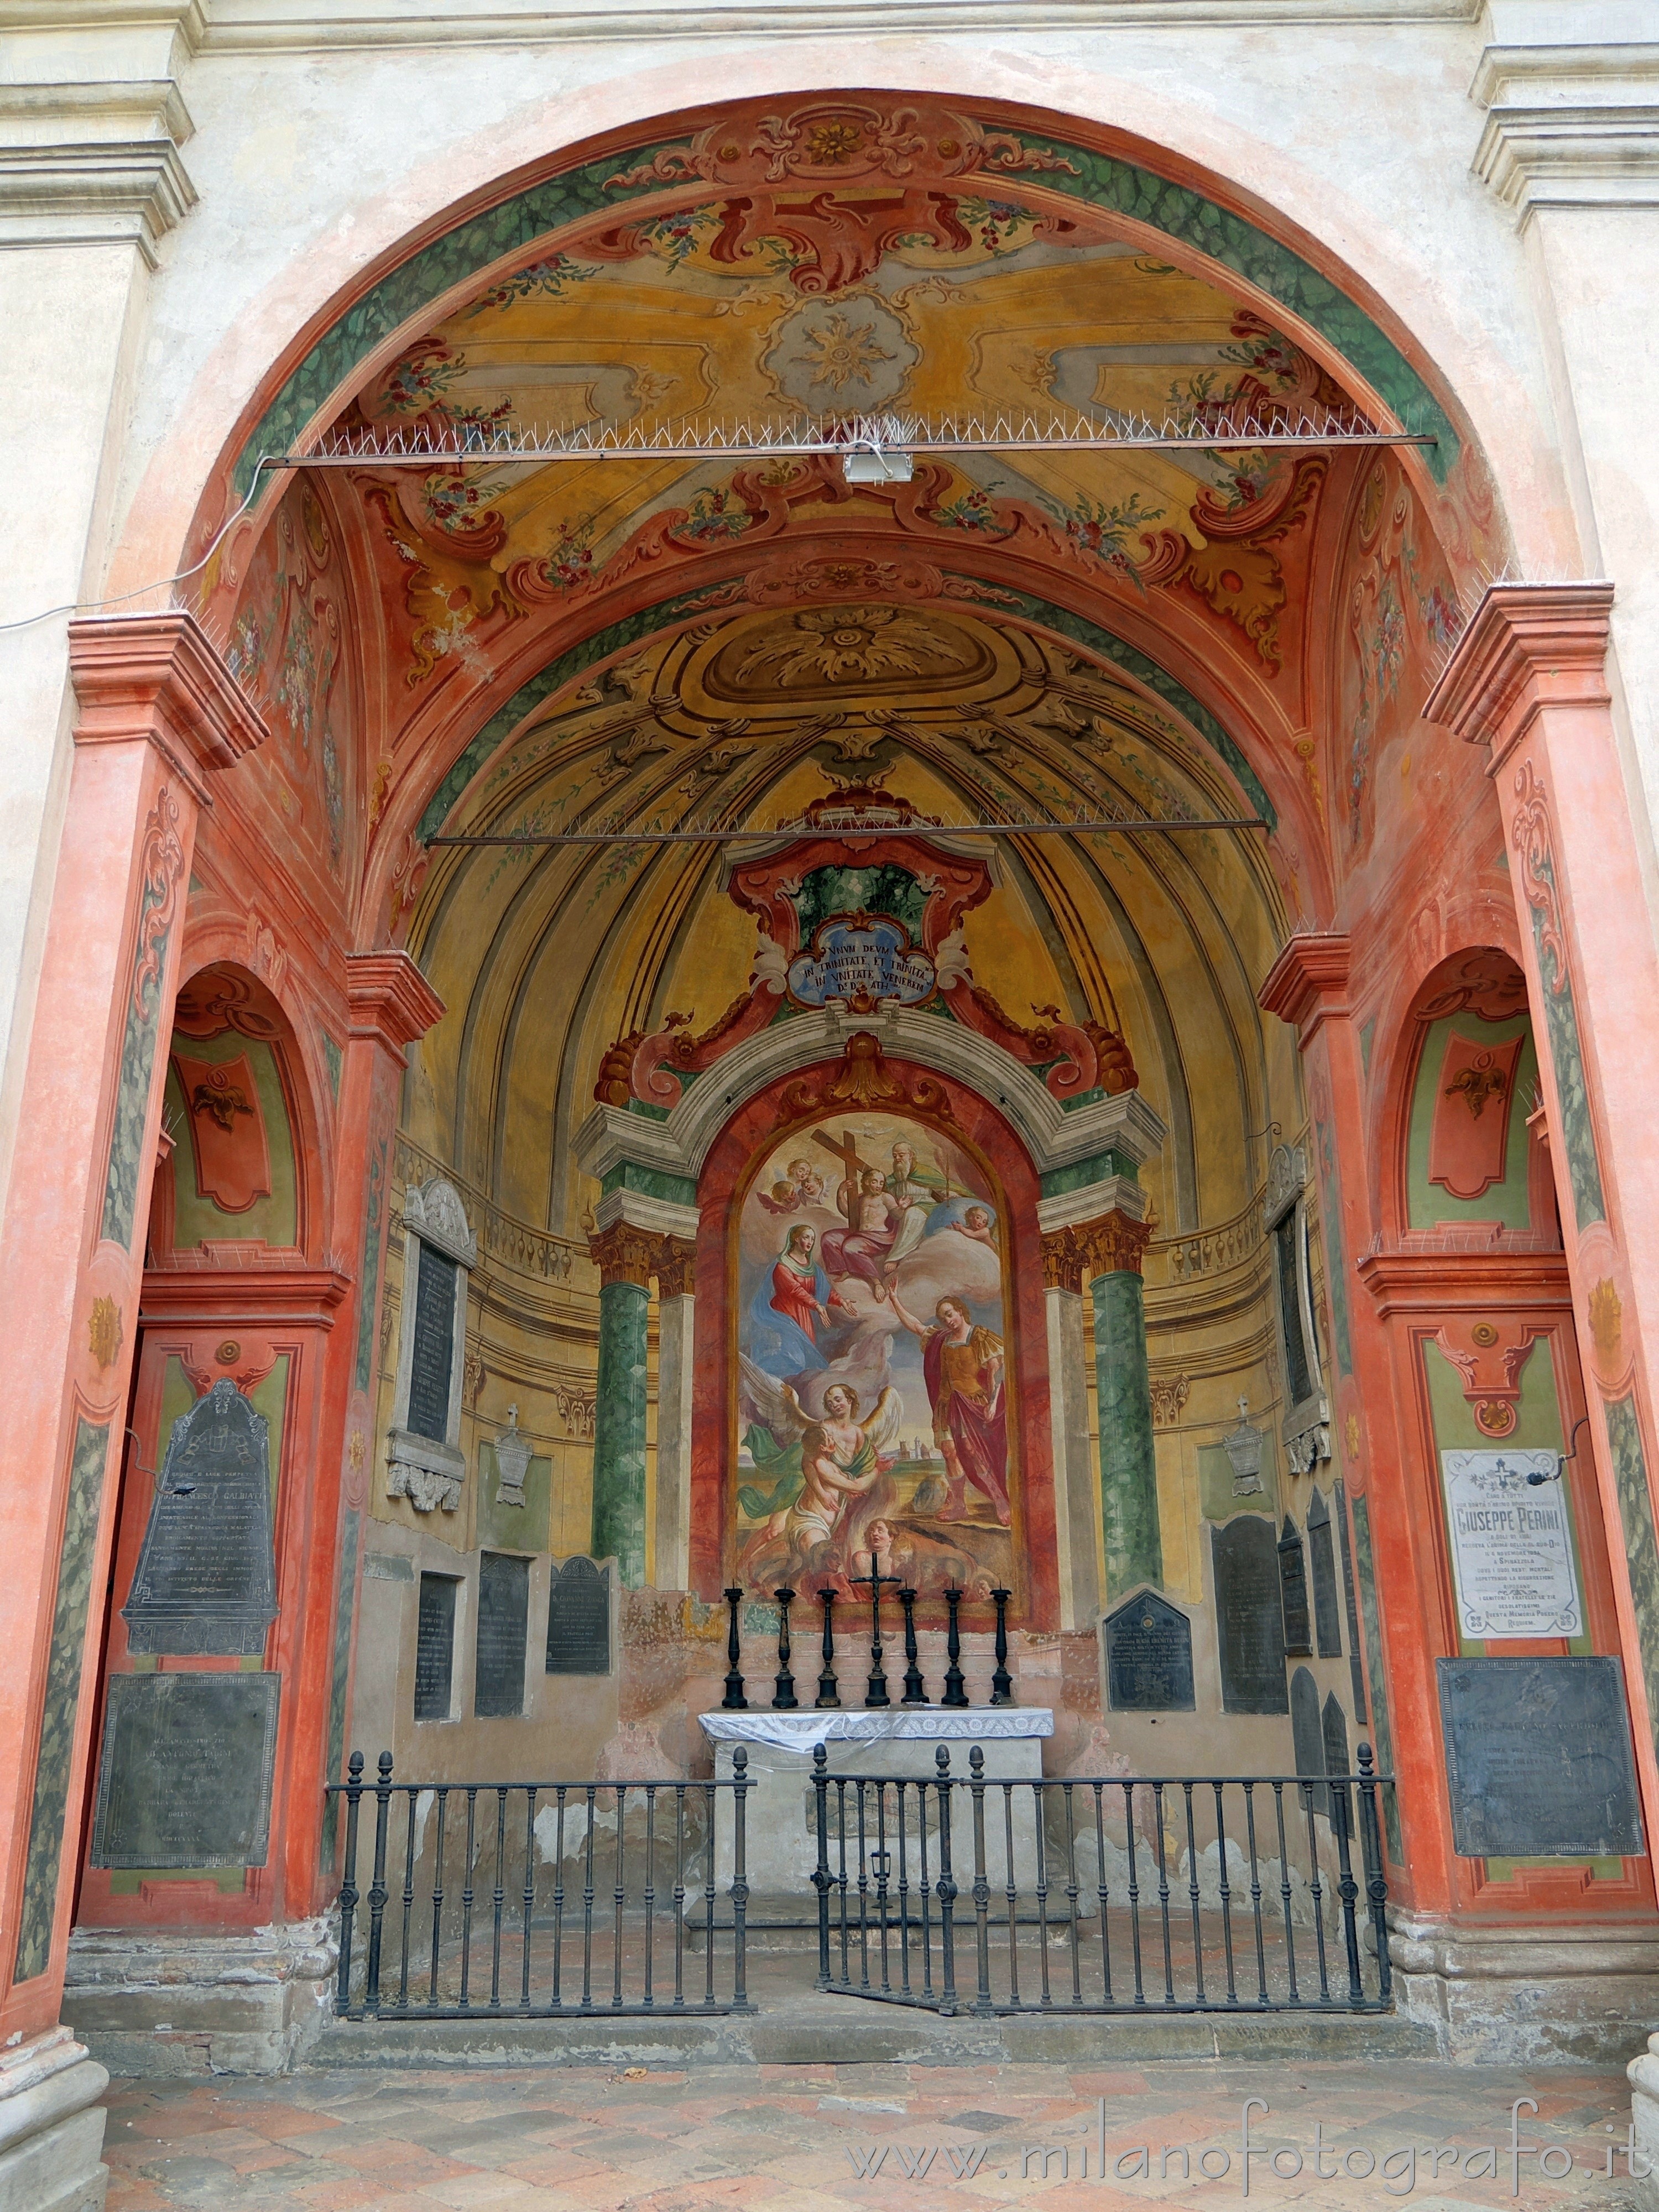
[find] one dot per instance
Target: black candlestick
(734, 1701)
(1002, 1682)
(915, 1690)
(829, 1688)
(783, 1695)
(875, 1690)
(955, 1692)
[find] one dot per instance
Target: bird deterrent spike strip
(696, 438)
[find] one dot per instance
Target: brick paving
(765, 2138)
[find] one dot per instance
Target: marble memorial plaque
(1148, 1657)
(184, 1778)
(435, 1648)
(1511, 1546)
(578, 1618)
(1293, 1592)
(1250, 1623)
(206, 1577)
(432, 1365)
(1538, 1758)
(503, 1623)
(1334, 1730)
(1322, 1557)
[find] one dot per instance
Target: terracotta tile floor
(778, 2138)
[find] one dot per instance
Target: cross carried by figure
(848, 1153)
(875, 1690)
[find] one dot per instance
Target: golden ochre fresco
(997, 308)
(873, 1366)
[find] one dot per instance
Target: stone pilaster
(1068, 1420)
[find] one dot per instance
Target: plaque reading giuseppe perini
(206, 1579)
(1511, 1547)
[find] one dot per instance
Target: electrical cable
(120, 599)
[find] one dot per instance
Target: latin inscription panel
(435, 1648)
(1538, 1758)
(578, 1618)
(504, 1620)
(1249, 1625)
(206, 1578)
(1148, 1657)
(432, 1365)
(185, 1779)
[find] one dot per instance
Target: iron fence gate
(1183, 1894)
(578, 1879)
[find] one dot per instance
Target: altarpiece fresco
(874, 1362)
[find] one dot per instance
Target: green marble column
(1128, 1470)
(619, 1431)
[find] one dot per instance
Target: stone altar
(781, 1838)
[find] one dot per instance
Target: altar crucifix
(875, 1691)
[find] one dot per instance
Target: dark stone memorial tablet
(578, 1618)
(1148, 1657)
(1539, 1760)
(1293, 1592)
(1307, 1745)
(1351, 1607)
(433, 1360)
(435, 1648)
(1333, 1727)
(1321, 1556)
(206, 1578)
(503, 1625)
(185, 1779)
(1249, 1625)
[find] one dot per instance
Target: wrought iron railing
(1102, 1893)
(560, 1897)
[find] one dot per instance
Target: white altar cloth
(800, 1731)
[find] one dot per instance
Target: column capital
(390, 1001)
(623, 1254)
(675, 1267)
(1569, 123)
(1309, 981)
(1525, 646)
(1113, 1245)
(157, 678)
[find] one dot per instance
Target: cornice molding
(270, 1296)
(1309, 981)
(1525, 645)
(1570, 126)
(391, 1002)
(259, 26)
(108, 193)
(1497, 1275)
(158, 678)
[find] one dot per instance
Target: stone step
(820, 2029)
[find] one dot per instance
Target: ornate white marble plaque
(1511, 1546)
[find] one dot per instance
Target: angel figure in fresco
(841, 1464)
(799, 1185)
(874, 1218)
(977, 1223)
(963, 1364)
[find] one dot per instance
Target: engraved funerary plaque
(206, 1578)
(578, 1618)
(1512, 1548)
(1148, 1657)
(185, 1780)
(504, 1620)
(1538, 1756)
(1249, 1624)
